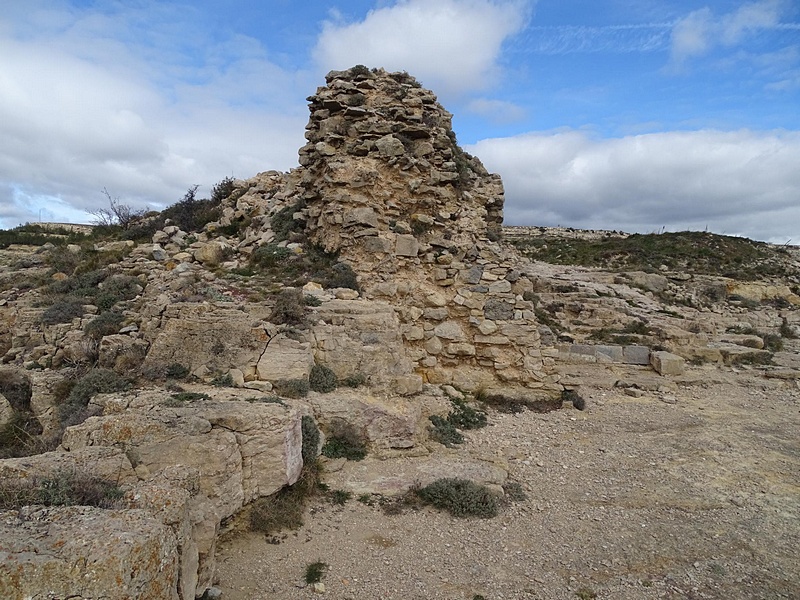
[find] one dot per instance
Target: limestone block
(461, 349)
(387, 423)
(377, 245)
(80, 551)
(496, 309)
(389, 146)
(652, 282)
(361, 215)
(406, 245)
(449, 330)
(666, 363)
(636, 355)
(285, 358)
(608, 354)
(210, 253)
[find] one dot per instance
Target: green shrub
(115, 289)
(444, 432)
(514, 492)
(460, 497)
(283, 222)
(463, 416)
(176, 371)
(284, 509)
(787, 331)
(96, 381)
(344, 441)
(340, 497)
(772, 342)
(355, 380)
(225, 380)
(292, 388)
(310, 446)
(191, 213)
(182, 397)
(63, 311)
(107, 323)
(20, 436)
(315, 571)
(341, 275)
(322, 379)
(572, 396)
(270, 256)
(312, 300)
(63, 488)
(289, 309)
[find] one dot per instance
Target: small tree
(117, 214)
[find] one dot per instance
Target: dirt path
(687, 494)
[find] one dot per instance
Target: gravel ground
(690, 493)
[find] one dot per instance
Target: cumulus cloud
(92, 100)
(700, 31)
(738, 182)
(452, 46)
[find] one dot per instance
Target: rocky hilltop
(200, 358)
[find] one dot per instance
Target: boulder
(666, 363)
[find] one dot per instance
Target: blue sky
(638, 115)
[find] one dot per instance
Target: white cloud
(450, 45)
(700, 31)
(739, 182)
(497, 111)
(125, 101)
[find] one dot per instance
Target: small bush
(344, 441)
(63, 488)
(315, 572)
(310, 300)
(355, 380)
(787, 331)
(514, 492)
(176, 371)
(63, 311)
(340, 497)
(96, 381)
(463, 416)
(341, 275)
(182, 397)
(444, 432)
(772, 342)
(572, 396)
(115, 289)
(310, 446)
(283, 222)
(270, 256)
(225, 380)
(285, 508)
(20, 436)
(107, 323)
(290, 308)
(292, 388)
(460, 497)
(322, 379)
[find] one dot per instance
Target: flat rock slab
(85, 552)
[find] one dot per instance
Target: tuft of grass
(315, 572)
(460, 497)
(585, 593)
(310, 445)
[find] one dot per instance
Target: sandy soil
(690, 492)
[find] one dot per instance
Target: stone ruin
(383, 184)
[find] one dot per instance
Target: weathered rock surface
(84, 552)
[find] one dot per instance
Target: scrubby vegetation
(344, 441)
(62, 488)
(322, 379)
(460, 497)
(690, 251)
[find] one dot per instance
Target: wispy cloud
(570, 39)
